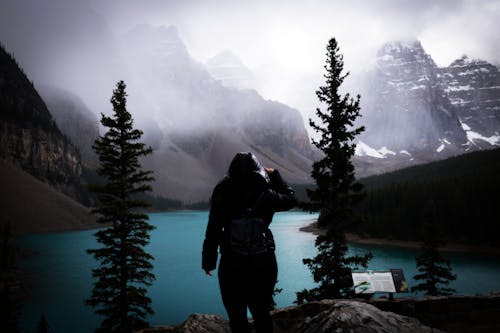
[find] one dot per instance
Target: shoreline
(406, 244)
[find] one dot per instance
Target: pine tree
(119, 292)
(435, 271)
(336, 191)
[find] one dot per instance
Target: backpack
(249, 235)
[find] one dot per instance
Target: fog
(86, 46)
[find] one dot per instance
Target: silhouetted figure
(242, 208)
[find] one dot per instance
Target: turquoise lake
(61, 272)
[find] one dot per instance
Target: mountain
(203, 123)
(227, 68)
(75, 120)
(40, 169)
(416, 112)
(473, 87)
(32, 205)
(29, 135)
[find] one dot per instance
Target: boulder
(324, 316)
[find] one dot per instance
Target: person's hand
(269, 170)
(209, 273)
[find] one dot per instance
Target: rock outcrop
(324, 316)
(449, 313)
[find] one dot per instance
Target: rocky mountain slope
(227, 68)
(40, 169)
(202, 123)
(417, 112)
(29, 136)
(74, 119)
(473, 87)
(32, 205)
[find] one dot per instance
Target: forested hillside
(465, 190)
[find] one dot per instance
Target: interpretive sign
(379, 281)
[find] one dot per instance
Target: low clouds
(281, 41)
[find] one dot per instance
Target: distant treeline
(158, 203)
(465, 190)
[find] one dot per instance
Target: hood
(245, 167)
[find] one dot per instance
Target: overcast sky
(292, 32)
(281, 41)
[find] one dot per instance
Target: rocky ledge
(324, 316)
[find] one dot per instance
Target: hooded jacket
(246, 185)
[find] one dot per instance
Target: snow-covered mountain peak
(405, 63)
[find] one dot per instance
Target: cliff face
(29, 136)
(473, 87)
(75, 121)
(406, 107)
(416, 112)
(41, 153)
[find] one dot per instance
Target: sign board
(379, 281)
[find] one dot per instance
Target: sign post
(370, 282)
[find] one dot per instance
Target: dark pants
(248, 282)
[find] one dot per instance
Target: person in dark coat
(246, 281)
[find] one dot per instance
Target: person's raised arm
(280, 196)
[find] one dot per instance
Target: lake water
(62, 270)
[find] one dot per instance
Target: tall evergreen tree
(119, 292)
(435, 271)
(337, 190)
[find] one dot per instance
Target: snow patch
(465, 127)
(472, 136)
(404, 152)
(492, 140)
(384, 151)
(386, 57)
(362, 149)
(459, 88)
(440, 148)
